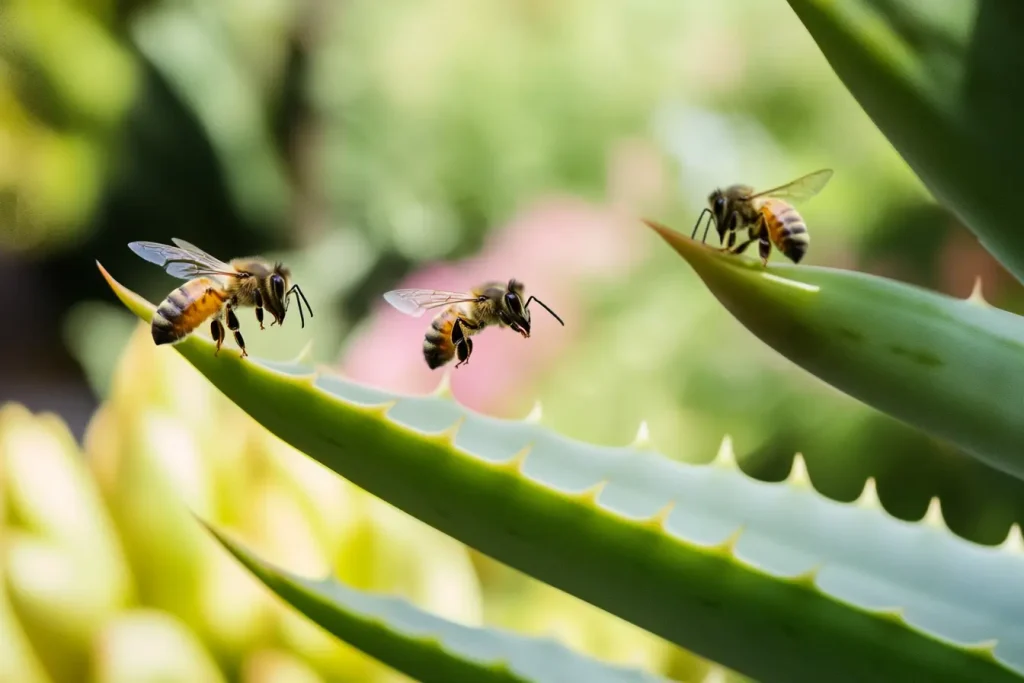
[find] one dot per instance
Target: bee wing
(185, 261)
(802, 188)
(415, 302)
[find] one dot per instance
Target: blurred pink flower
(555, 248)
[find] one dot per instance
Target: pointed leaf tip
(135, 303)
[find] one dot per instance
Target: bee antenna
(297, 291)
(696, 225)
(553, 314)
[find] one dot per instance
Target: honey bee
(465, 314)
(769, 217)
(216, 289)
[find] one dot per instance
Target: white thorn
(976, 296)
(715, 674)
(444, 387)
(725, 458)
(798, 472)
(869, 496)
(1014, 542)
(533, 417)
(306, 354)
(643, 436)
(933, 515)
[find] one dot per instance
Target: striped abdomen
(438, 347)
(786, 229)
(185, 309)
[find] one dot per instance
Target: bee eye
(277, 283)
(512, 301)
(719, 203)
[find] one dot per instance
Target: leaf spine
(659, 519)
(1014, 542)
(642, 440)
(446, 437)
(535, 414)
(869, 496)
(798, 477)
(715, 674)
(516, 462)
(933, 515)
(808, 578)
(444, 385)
(729, 544)
(725, 458)
(305, 354)
(977, 296)
(985, 648)
(377, 410)
(592, 493)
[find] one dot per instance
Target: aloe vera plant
(772, 580)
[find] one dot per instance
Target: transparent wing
(802, 188)
(185, 261)
(415, 302)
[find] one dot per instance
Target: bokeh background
(374, 145)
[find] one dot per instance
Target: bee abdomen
(437, 345)
(184, 309)
(165, 326)
(794, 238)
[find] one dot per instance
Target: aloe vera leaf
(950, 367)
(773, 581)
(942, 81)
(424, 646)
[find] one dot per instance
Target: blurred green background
(372, 145)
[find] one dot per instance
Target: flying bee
(769, 216)
(216, 289)
(465, 314)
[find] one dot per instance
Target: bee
(769, 217)
(465, 314)
(216, 289)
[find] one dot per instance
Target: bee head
(276, 292)
(719, 205)
(518, 314)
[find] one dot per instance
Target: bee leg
(258, 301)
(732, 241)
(463, 344)
(463, 351)
(765, 249)
(217, 332)
(233, 326)
(743, 247)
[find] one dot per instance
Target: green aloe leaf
(943, 81)
(422, 645)
(771, 580)
(950, 367)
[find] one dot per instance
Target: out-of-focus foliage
(65, 85)
(102, 553)
(943, 84)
